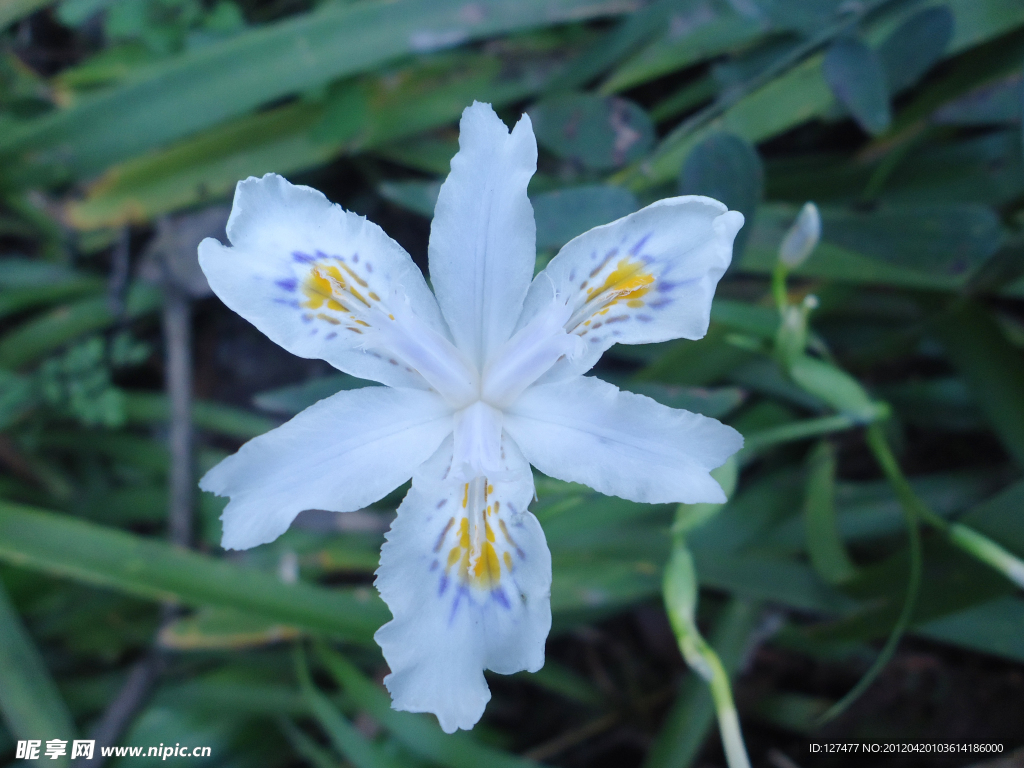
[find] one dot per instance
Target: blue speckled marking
(303, 258)
(443, 585)
(288, 284)
(640, 244)
(331, 335)
(355, 258)
(499, 596)
(290, 303)
(644, 318)
(463, 591)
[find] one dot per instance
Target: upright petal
(467, 575)
(584, 430)
(302, 269)
(647, 277)
(483, 238)
(341, 454)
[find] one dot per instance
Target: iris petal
(645, 278)
(467, 575)
(585, 430)
(483, 237)
(309, 275)
(341, 454)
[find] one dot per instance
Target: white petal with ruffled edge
(341, 454)
(308, 274)
(483, 237)
(647, 277)
(467, 575)
(585, 430)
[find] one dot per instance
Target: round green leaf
(727, 168)
(915, 46)
(565, 213)
(599, 133)
(855, 74)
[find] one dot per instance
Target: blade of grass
(207, 85)
(419, 734)
(30, 703)
(305, 746)
(36, 338)
(994, 370)
(153, 407)
(880, 447)
(94, 554)
(824, 544)
(356, 748)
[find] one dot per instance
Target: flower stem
(966, 538)
(986, 550)
(725, 709)
(680, 592)
(912, 515)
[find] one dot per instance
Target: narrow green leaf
(30, 703)
(716, 403)
(344, 736)
(1000, 517)
(824, 545)
(94, 554)
(153, 407)
(208, 85)
(693, 33)
(634, 30)
(560, 679)
(305, 134)
(416, 196)
(32, 340)
(289, 400)
(915, 46)
(993, 367)
(998, 103)
(990, 627)
(952, 582)
(419, 734)
(306, 747)
(22, 299)
(855, 74)
(802, 94)
(18, 395)
(727, 168)
(757, 577)
(803, 15)
(223, 629)
(835, 387)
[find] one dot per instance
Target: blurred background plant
(859, 583)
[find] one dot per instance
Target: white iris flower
(483, 377)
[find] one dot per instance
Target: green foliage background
(901, 119)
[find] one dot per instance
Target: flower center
(529, 354)
(392, 327)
